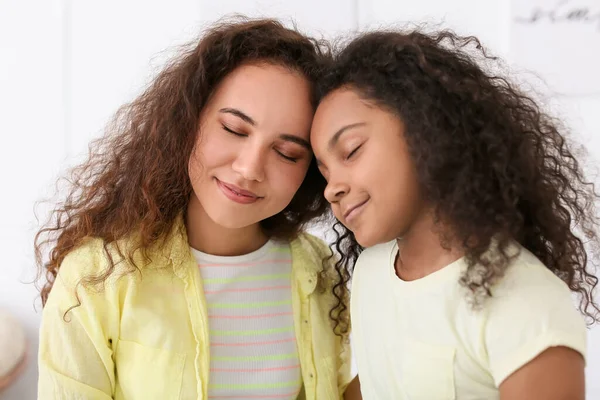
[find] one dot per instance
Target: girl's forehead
(340, 109)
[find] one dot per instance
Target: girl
(475, 214)
(177, 267)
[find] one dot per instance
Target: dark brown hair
(492, 164)
(135, 179)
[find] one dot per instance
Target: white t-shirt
(422, 340)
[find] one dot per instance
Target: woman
(177, 264)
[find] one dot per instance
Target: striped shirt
(253, 353)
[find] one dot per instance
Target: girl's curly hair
(135, 179)
(494, 166)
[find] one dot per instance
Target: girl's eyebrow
(336, 136)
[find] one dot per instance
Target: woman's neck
(421, 252)
(209, 237)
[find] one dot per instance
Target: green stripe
(258, 358)
(252, 332)
(247, 278)
(255, 385)
(250, 305)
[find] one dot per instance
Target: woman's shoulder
(313, 257)
(309, 250)
(88, 258)
(95, 257)
(310, 244)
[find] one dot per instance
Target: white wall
(66, 65)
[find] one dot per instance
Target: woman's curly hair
(135, 179)
(493, 165)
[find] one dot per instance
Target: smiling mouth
(237, 194)
(354, 211)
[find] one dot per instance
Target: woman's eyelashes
(227, 129)
(289, 158)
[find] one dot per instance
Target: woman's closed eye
(289, 158)
(227, 129)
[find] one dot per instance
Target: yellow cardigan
(144, 335)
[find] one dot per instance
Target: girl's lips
(352, 212)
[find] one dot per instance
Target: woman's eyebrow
(240, 114)
(295, 139)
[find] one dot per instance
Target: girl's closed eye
(353, 152)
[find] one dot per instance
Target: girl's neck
(209, 237)
(421, 252)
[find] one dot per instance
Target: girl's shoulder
(376, 261)
(379, 253)
(531, 295)
(527, 275)
(531, 309)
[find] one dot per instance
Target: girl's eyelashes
(353, 152)
(227, 129)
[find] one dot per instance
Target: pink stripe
(247, 289)
(273, 396)
(251, 264)
(245, 344)
(250, 316)
(255, 370)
